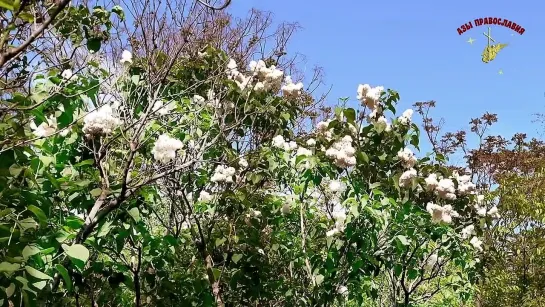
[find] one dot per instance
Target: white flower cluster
(335, 186)
(322, 129)
(441, 213)
(68, 74)
(339, 215)
(407, 157)
(431, 182)
(369, 96)
(46, 128)
(406, 179)
(445, 189)
(342, 152)
(477, 243)
(126, 57)
(240, 79)
(279, 142)
(480, 207)
(465, 186)
(243, 163)
(468, 231)
(268, 78)
(165, 148)
(223, 174)
(378, 120)
(291, 89)
(198, 100)
(406, 117)
(302, 151)
(100, 122)
(205, 197)
(161, 108)
(311, 142)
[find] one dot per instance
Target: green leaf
(7, 4)
(85, 162)
(350, 115)
(40, 285)
(220, 241)
(28, 223)
(33, 272)
(47, 160)
(135, 214)
(10, 290)
(96, 192)
(93, 44)
(15, 170)
(78, 253)
(135, 79)
(236, 258)
(74, 222)
(105, 229)
(319, 279)
(403, 240)
(29, 251)
(9, 267)
(42, 218)
(119, 11)
(363, 157)
(65, 276)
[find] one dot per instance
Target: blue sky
(414, 48)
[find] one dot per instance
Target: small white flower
(100, 122)
(335, 186)
(432, 260)
(343, 290)
(477, 244)
(302, 151)
(197, 99)
(493, 212)
(369, 96)
(67, 74)
(405, 118)
(205, 197)
(406, 179)
(243, 163)
(468, 231)
(278, 141)
(311, 142)
(46, 128)
(126, 57)
(431, 182)
(165, 148)
(332, 232)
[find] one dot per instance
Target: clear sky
(414, 48)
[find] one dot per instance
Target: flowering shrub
(195, 189)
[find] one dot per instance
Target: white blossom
(223, 174)
(311, 142)
(431, 182)
(406, 117)
(302, 151)
(335, 186)
(407, 157)
(445, 189)
(243, 163)
(291, 89)
(126, 57)
(343, 290)
(199, 100)
(205, 197)
(332, 232)
(165, 148)
(493, 212)
(46, 128)
(441, 213)
(369, 96)
(465, 186)
(342, 152)
(468, 231)
(100, 122)
(278, 141)
(406, 179)
(477, 243)
(67, 74)
(161, 108)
